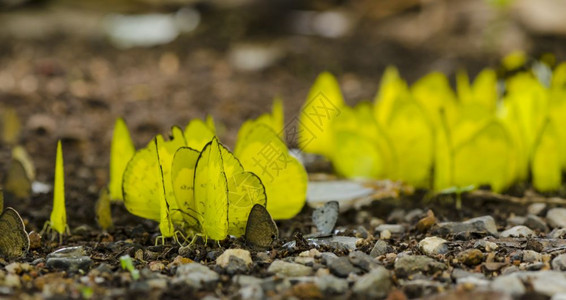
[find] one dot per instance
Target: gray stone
(395, 229)
(195, 275)
(341, 266)
(253, 292)
(559, 263)
(433, 246)
(381, 247)
(461, 273)
(362, 260)
(486, 246)
(327, 256)
(557, 233)
(420, 288)
(287, 269)
(339, 243)
(509, 284)
(224, 259)
(374, 284)
(516, 220)
(244, 280)
(546, 283)
(70, 259)
(518, 231)
(481, 225)
(556, 217)
(330, 284)
(536, 209)
(536, 223)
(531, 256)
(413, 215)
(559, 296)
(410, 264)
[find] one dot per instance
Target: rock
(244, 280)
(536, 223)
(509, 284)
(327, 256)
(157, 283)
(473, 281)
(557, 233)
(156, 266)
(413, 215)
(461, 273)
(410, 264)
(381, 247)
(433, 246)
(253, 292)
(516, 220)
(518, 231)
(419, 288)
(12, 280)
(470, 257)
(287, 269)
(34, 240)
(234, 260)
(362, 261)
(426, 223)
(531, 256)
(374, 284)
(341, 266)
(536, 209)
(543, 282)
(385, 235)
(330, 284)
(395, 229)
(559, 263)
(556, 217)
(306, 290)
(196, 275)
(486, 246)
(314, 253)
(307, 261)
(337, 242)
(481, 225)
(70, 259)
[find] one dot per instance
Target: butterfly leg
(159, 239)
(175, 236)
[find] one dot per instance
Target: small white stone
(224, 259)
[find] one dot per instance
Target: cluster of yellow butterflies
(490, 132)
(194, 185)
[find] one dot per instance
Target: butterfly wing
(182, 176)
(59, 213)
(121, 151)
(14, 240)
(261, 230)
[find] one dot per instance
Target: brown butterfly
(14, 240)
(261, 230)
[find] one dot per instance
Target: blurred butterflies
(261, 230)
(14, 240)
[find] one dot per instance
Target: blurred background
(69, 68)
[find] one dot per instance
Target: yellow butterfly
(275, 120)
(263, 152)
(545, 165)
(323, 104)
(121, 151)
(58, 219)
(198, 133)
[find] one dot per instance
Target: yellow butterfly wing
(11, 126)
(264, 153)
(58, 218)
(322, 105)
(198, 133)
(121, 151)
(412, 139)
(545, 167)
(443, 157)
(433, 93)
(211, 192)
(19, 153)
(392, 88)
(182, 176)
(274, 120)
(487, 158)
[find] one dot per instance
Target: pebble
(70, 259)
(536, 209)
(254, 292)
(557, 233)
(34, 240)
(536, 223)
(287, 269)
(559, 263)
(487, 246)
(433, 246)
(156, 266)
(556, 217)
(546, 283)
(375, 284)
(330, 284)
(518, 231)
(461, 273)
(413, 215)
(385, 235)
(480, 225)
(473, 281)
(362, 261)
(341, 266)
(470, 257)
(516, 220)
(410, 264)
(420, 287)
(225, 258)
(12, 280)
(307, 261)
(395, 229)
(381, 247)
(531, 256)
(195, 275)
(244, 280)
